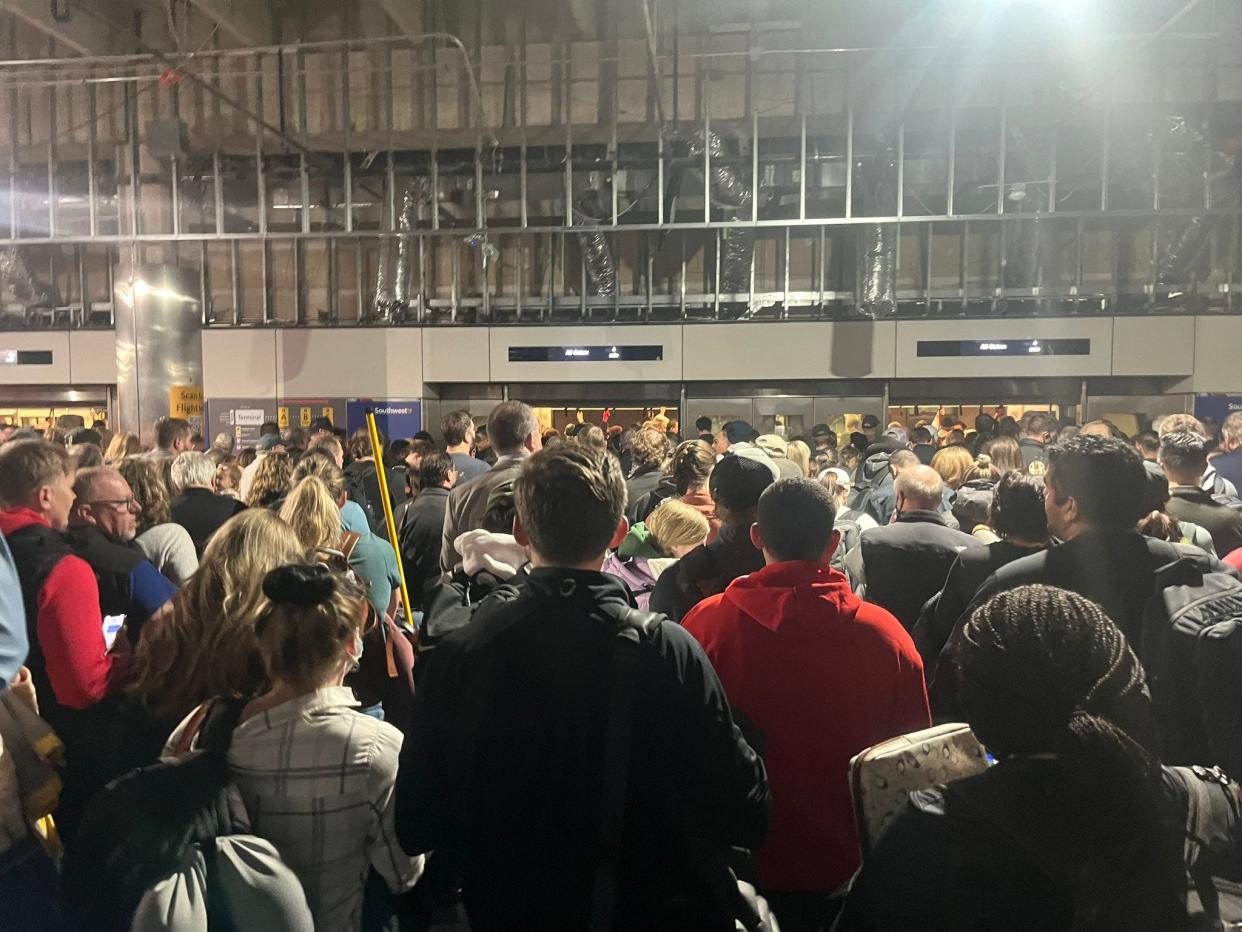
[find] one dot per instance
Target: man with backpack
(362, 479)
(576, 757)
(1183, 457)
(1094, 496)
(424, 523)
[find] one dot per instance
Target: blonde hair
(303, 645)
(799, 454)
(953, 463)
(231, 471)
(313, 514)
(206, 647)
(676, 524)
(146, 481)
(983, 468)
(648, 447)
(121, 446)
(271, 479)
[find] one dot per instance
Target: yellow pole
(389, 520)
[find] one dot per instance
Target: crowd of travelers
(631, 678)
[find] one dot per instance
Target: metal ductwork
(1224, 182)
(729, 192)
(877, 282)
(18, 286)
(601, 268)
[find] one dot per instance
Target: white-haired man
(197, 507)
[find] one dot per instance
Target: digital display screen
(645, 353)
(1076, 347)
(12, 357)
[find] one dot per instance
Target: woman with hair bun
(317, 775)
(1078, 826)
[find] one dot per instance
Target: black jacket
(422, 530)
(503, 767)
(705, 571)
(1006, 850)
(904, 564)
(640, 509)
(1113, 568)
(646, 479)
(1033, 452)
(969, 571)
(201, 512)
(1198, 507)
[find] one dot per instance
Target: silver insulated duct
(730, 193)
(601, 268)
(877, 281)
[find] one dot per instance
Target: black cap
(870, 421)
(821, 430)
(738, 481)
(740, 432)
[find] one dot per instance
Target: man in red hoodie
(70, 665)
(820, 675)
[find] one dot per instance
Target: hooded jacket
(706, 571)
(637, 564)
(507, 752)
(822, 675)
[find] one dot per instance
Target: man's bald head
(919, 488)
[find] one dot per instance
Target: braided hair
(1045, 671)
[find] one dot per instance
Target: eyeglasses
(120, 504)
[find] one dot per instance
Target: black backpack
(362, 486)
(1191, 646)
(142, 826)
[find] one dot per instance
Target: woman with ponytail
(1077, 826)
(317, 775)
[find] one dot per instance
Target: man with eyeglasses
(74, 674)
(102, 527)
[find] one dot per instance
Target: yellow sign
(185, 401)
(282, 416)
(304, 416)
(327, 412)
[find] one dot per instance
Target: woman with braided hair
(1078, 826)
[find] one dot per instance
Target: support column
(159, 349)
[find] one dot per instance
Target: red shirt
(822, 675)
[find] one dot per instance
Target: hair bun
(983, 460)
(299, 584)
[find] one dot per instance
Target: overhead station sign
(1002, 347)
(610, 353)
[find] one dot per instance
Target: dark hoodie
(823, 676)
(705, 571)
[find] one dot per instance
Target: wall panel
(1097, 362)
(667, 369)
(854, 350)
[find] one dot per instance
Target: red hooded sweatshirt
(822, 675)
(69, 626)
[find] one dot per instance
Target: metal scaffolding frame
(748, 178)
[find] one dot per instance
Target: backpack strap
(349, 540)
(632, 627)
(215, 734)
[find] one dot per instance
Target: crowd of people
(630, 678)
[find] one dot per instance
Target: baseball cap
(821, 430)
(870, 421)
(843, 476)
(740, 432)
(267, 441)
(738, 481)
